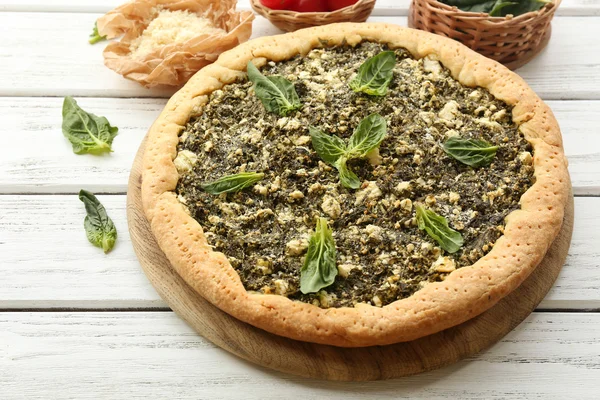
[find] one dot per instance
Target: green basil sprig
(375, 74)
(95, 36)
(276, 93)
(437, 227)
(319, 269)
(233, 183)
(522, 7)
(498, 8)
(367, 136)
(87, 132)
(472, 152)
(99, 228)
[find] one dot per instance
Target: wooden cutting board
(330, 362)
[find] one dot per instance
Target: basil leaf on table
(437, 228)
(375, 74)
(95, 36)
(87, 132)
(276, 93)
(472, 152)
(99, 228)
(233, 183)
(367, 136)
(319, 269)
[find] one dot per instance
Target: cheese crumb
(444, 265)
(402, 186)
(302, 140)
(281, 286)
(344, 269)
(374, 232)
(170, 27)
(184, 161)
(406, 205)
(526, 158)
(260, 189)
(331, 206)
(296, 195)
(370, 192)
(449, 111)
(374, 157)
(377, 301)
(296, 247)
(453, 197)
(433, 66)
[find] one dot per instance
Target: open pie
(451, 207)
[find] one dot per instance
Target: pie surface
(243, 251)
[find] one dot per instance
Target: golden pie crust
(465, 293)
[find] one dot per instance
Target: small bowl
(289, 21)
(512, 41)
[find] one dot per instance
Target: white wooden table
(75, 323)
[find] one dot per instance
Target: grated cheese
(171, 27)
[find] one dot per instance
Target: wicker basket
(513, 41)
(291, 20)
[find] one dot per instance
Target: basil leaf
(368, 135)
(464, 3)
(95, 36)
(319, 269)
(87, 132)
(437, 227)
(491, 7)
(347, 177)
(375, 74)
(525, 6)
(276, 93)
(233, 183)
(482, 7)
(99, 228)
(472, 152)
(328, 147)
(499, 6)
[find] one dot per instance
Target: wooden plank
(33, 65)
(382, 7)
(50, 56)
(41, 160)
(47, 262)
(155, 355)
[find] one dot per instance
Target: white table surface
(75, 323)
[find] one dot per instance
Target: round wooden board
(330, 362)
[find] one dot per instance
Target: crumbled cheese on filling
(171, 27)
(185, 160)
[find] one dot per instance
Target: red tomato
(309, 5)
(277, 4)
(337, 4)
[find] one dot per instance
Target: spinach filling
(381, 253)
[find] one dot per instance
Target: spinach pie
(354, 184)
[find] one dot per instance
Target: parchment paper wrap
(173, 64)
